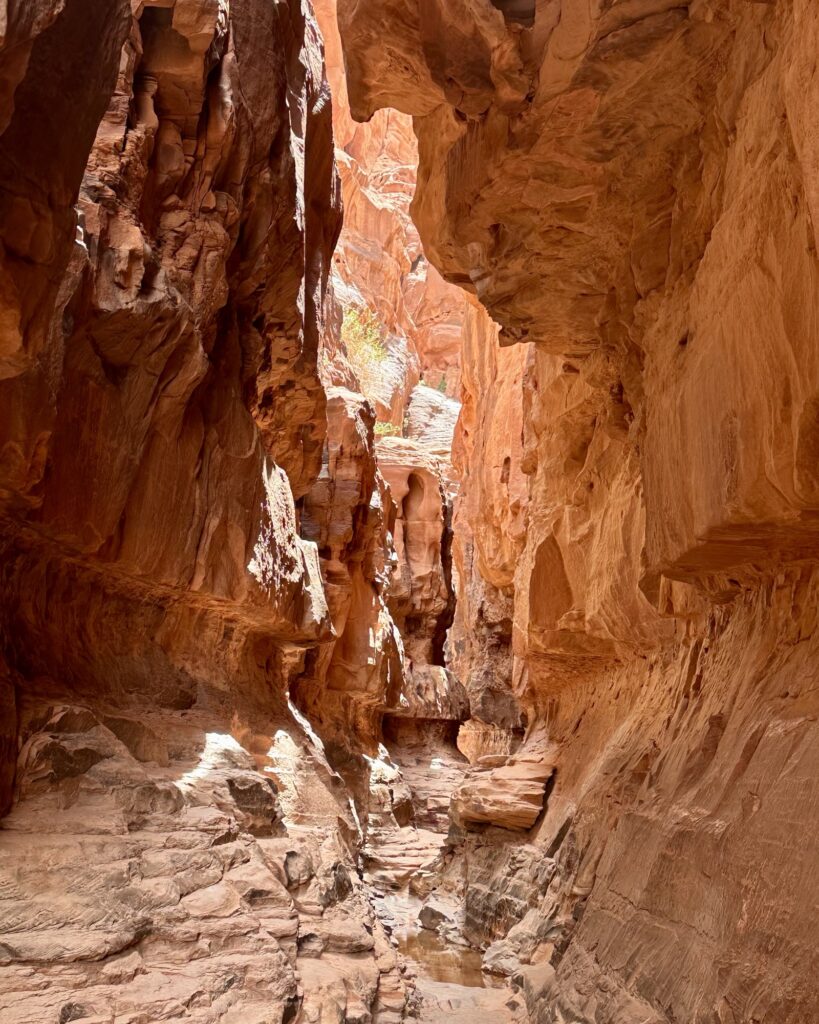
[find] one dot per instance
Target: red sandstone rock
(420, 596)
(186, 543)
(359, 673)
(503, 791)
(178, 835)
(378, 264)
(489, 531)
(632, 188)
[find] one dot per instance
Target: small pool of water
(432, 958)
(427, 954)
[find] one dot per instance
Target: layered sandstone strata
(420, 597)
(378, 264)
(179, 845)
(508, 792)
(632, 188)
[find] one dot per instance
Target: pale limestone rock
(431, 420)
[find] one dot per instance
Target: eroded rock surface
(631, 188)
(152, 871)
(179, 846)
(379, 265)
(242, 716)
(421, 597)
(506, 791)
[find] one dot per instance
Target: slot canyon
(409, 511)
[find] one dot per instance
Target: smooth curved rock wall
(630, 189)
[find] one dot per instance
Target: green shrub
(362, 335)
(387, 430)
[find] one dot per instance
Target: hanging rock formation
(631, 190)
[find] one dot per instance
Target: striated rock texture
(420, 596)
(489, 532)
(378, 264)
(178, 846)
(151, 871)
(632, 188)
(431, 419)
(503, 791)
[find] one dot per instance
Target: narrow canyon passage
(409, 561)
(401, 336)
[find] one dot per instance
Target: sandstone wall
(178, 846)
(490, 530)
(379, 264)
(631, 188)
(143, 425)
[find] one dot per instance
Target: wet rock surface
(449, 981)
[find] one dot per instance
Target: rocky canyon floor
(409, 511)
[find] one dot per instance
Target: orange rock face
(504, 791)
(489, 532)
(141, 428)
(351, 680)
(378, 264)
(178, 844)
(233, 672)
(420, 594)
(631, 188)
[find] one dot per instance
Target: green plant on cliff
(387, 430)
(362, 335)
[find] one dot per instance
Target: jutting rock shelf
(409, 430)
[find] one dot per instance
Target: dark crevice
(517, 12)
